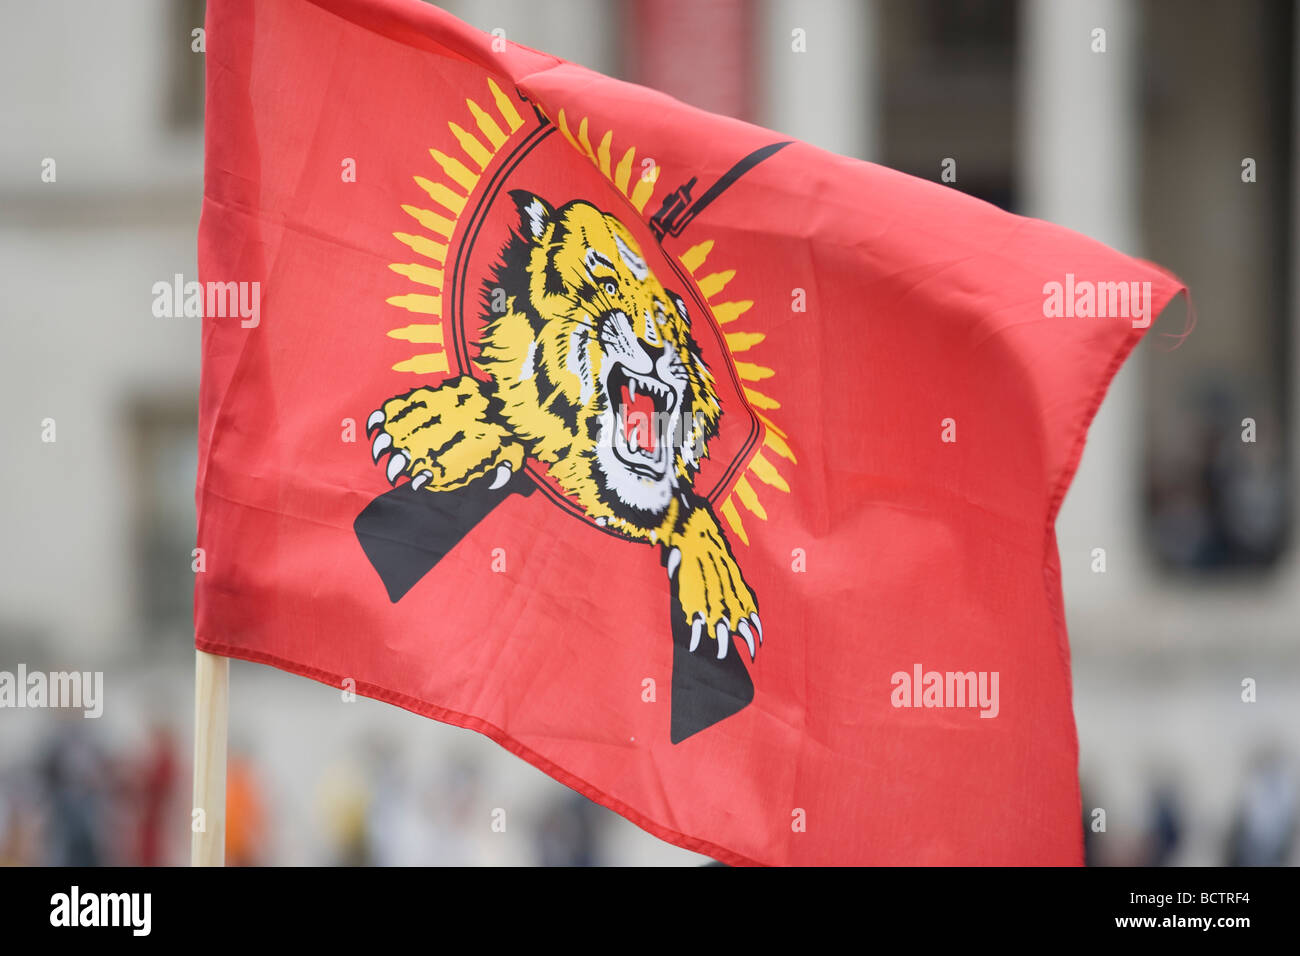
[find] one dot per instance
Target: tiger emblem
(592, 371)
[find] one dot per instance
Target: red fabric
(921, 305)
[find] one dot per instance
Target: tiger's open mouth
(643, 413)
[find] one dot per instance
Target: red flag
(713, 474)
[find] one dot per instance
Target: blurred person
(245, 815)
(73, 775)
(344, 799)
(154, 795)
(1219, 501)
(21, 824)
(567, 834)
(399, 828)
(1263, 832)
(461, 834)
(1164, 824)
(8, 829)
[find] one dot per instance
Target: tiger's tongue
(638, 417)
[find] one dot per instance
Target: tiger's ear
(534, 212)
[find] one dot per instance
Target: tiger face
(595, 365)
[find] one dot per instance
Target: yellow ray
(726, 312)
(584, 141)
(431, 220)
(442, 195)
(564, 128)
(694, 257)
(425, 333)
(764, 469)
(415, 302)
(421, 275)
(505, 107)
(759, 400)
(645, 187)
(487, 125)
(624, 171)
(749, 498)
(602, 153)
(472, 147)
(733, 519)
(753, 373)
(712, 284)
(425, 247)
(743, 341)
(428, 364)
(456, 170)
(775, 442)
(767, 421)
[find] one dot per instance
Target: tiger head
(595, 365)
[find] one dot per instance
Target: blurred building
(1139, 135)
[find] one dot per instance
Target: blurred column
(827, 95)
(699, 51)
(1291, 560)
(1079, 168)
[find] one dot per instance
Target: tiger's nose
(653, 349)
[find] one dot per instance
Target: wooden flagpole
(211, 705)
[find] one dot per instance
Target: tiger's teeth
(631, 388)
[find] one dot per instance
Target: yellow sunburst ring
(458, 163)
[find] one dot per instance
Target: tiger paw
(710, 589)
(443, 438)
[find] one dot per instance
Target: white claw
(724, 638)
(674, 559)
(396, 465)
(748, 635)
(374, 421)
(503, 475)
(758, 626)
(381, 445)
(418, 481)
(697, 630)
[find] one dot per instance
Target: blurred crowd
(77, 802)
(1262, 829)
